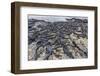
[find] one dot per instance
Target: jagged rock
(67, 39)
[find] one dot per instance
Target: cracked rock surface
(56, 40)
